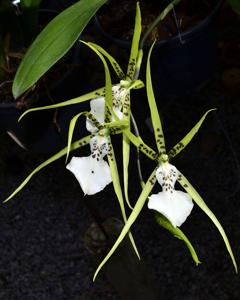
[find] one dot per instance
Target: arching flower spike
(176, 206)
(92, 172)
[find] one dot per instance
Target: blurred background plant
(235, 4)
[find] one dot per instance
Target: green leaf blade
(177, 232)
(53, 42)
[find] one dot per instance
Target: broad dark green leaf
(53, 42)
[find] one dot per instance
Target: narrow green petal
(200, 202)
(85, 97)
(116, 125)
(118, 70)
(132, 218)
(187, 139)
(126, 156)
(155, 117)
(72, 127)
(177, 232)
(118, 191)
(70, 132)
(136, 84)
(135, 45)
(138, 142)
(55, 157)
(108, 81)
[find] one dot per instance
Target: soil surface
(123, 12)
(42, 253)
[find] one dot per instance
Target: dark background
(42, 250)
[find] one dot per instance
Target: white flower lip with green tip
(176, 206)
(97, 106)
(92, 172)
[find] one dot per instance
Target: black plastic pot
(184, 63)
(38, 131)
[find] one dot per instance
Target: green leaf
(132, 218)
(118, 70)
(53, 42)
(83, 98)
(235, 4)
(200, 202)
(187, 139)
(118, 190)
(55, 157)
(30, 3)
(177, 232)
(135, 45)
(155, 117)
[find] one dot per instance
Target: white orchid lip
(97, 106)
(176, 206)
(92, 172)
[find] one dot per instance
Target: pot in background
(38, 131)
(183, 63)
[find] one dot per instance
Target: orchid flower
(92, 172)
(97, 106)
(176, 206)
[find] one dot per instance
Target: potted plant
(111, 115)
(186, 48)
(20, 23)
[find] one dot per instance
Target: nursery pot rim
(185, 35)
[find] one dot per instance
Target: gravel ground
(42, 248)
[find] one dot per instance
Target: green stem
(160, 17)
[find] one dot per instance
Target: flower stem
(159, 18)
